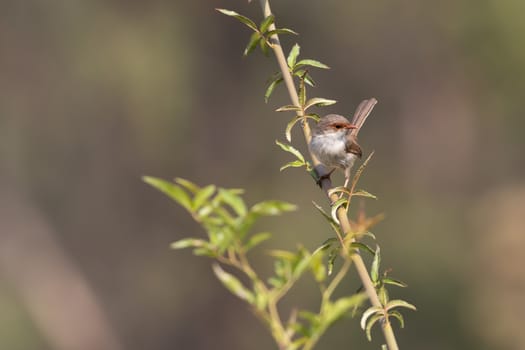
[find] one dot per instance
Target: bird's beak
(350, 126)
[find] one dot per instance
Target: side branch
(326, 185)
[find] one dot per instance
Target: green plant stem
(326, 184)
(276, 325)
(327, 293)
(337, 279)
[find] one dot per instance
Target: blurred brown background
(95, 94)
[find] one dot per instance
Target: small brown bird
(334, 139)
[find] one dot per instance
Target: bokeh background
(95, 94)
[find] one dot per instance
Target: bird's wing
(353, 147)
(361, 113)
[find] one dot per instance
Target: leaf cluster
(227, 221)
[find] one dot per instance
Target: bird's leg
(347, 180)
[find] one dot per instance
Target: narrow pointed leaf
(342, 306)
(265, 24)
(399, 303)
(325, 214)
(271, 88)
(233, 284)
(233, 200)
(400, 318)
(332, 256)
(288, 108)
(289, 126)
(190, 186)
(388, 280)
(369, 312)
(293, 164)
(290, 149)
(243, 19)
(340, 202)
(281, 31)
(188, 242)
(265, 48)
(173, 191)
(273, 207)
(292, 56)
(302, 91)
(312, 63)
(319, 101)
(363, 193)
(202, 196)
(374, 271)
(313, 116)
(370, 324)
(362, 246)
(255, 38)
(309, 80)
(339, 189)
(257, 239)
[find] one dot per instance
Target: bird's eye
(338, 126)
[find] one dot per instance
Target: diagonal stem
(326, 184)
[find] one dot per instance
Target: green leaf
(342, 306)
(233, 200)
(340, 202)
(272, 207)
(266, 23)
(370, 324)
(243, 19)
(233, 284)
(190, 186)
(309, 80)
(288, 108)
(205, 251)
(257, 239)
(302, 90)
(281, 31)
(293, 164)
(302, 264)
(290, 149)
(399, 303)
(388, 280)
(189, 242)
(290, 125)
(339, 189)
(374, 271)
(265, 48)
(282, 254)
(382, 294)
(202, 196)
(271, 88)
(397, 314)
(313, 116)
(319, 101)
(332, 256)
(317, 267)
(362, 246)
(292, 56)
(324, 213)
(255, 38)
(312, 63)
(363, 193)
(173, 191)
(369, 312)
